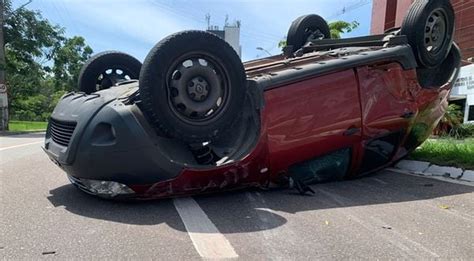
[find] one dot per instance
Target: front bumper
(111, 140)
(103, 189)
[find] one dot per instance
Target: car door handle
(408, 115)
(351, 131)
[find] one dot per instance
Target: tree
(336, 28)
(339, 27)
(68, 60)
(41, 62)
(451, 120)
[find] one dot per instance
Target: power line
(349, 8)
(172, 11)
(191, 15)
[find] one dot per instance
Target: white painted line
(207, 239)
(21, 145)
(380, 181)
(441, 178)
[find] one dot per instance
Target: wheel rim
(435, 31)
(198, 88)
(110, 77)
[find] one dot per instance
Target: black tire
(429, 27)
(105, 69)
(440, 75)
(167, 86)
(303, 27)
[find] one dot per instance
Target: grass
(21, 126)
(447, 152)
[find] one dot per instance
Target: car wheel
(429, 27)
(192, 86)
(305, 28)
(440, 75)
(105, 69)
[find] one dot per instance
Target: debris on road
(444, 206)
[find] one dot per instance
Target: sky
(135, 26)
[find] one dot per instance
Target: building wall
(219, 33)
(464, 35)
(378, 16)
(232, 36)
(465, 86)
(464, 11)
(402, 8)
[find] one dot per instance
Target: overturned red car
(194, 119)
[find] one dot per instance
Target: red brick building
(390, 13)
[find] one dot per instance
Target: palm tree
(451, 120)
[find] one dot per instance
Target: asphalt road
(384, 216)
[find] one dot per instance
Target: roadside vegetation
(42, 63)
(453, 144)
(26, 126)
(447, 152)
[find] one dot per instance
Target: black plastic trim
(402, 54)
(371, 40)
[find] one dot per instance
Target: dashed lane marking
(206, 238)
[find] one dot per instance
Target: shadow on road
(137, 213)
(234, 212)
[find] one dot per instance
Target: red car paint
(369, 101)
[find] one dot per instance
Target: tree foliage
(41, 62)
(339, 27)
(451, 120)
(68, 60)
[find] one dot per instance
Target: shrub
(462, 131)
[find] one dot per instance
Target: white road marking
(380, 181)
(206, 238)
(20, 145)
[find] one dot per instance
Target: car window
(332, 166)
(379, 151)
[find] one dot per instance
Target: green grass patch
(27, 125)
(446, 152)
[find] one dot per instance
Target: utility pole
(3, 86)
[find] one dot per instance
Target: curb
(424, 168)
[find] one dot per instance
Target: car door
(388, 109)
(313, 118)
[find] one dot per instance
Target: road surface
(388, 215)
